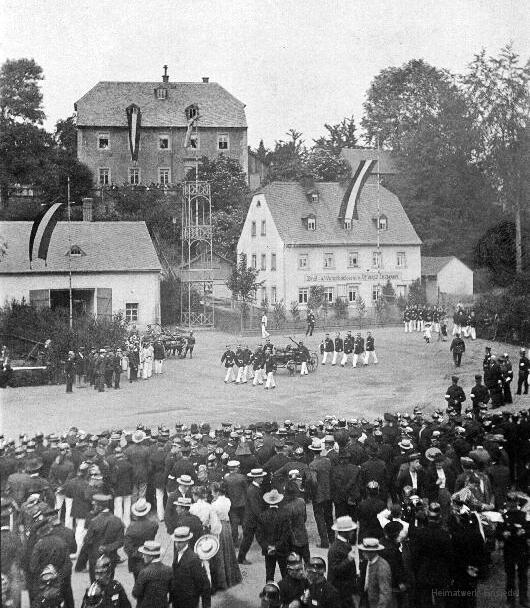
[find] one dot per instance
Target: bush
(341, 308)
(279, 314)
(294, 309)
(20, 322)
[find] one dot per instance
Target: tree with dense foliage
(287, 161)
(338, 136)
(498, 93)
(20, 94)
(496, 251)
(325, 166)
(243, 284)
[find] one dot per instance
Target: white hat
(370, 544)
(206, 546)
(185, 480)
(141, 507)
(257, 473)
(150, 547)
(182, 534)
(344, 524)
(138, 436)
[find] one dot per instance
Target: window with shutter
(104, 303)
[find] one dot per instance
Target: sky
(294, 63)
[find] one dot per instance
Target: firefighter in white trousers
(304, 358)
(348, 348)
(228, 360)
(338, 348)
(358, 349)
(370, 349)
(270, 368)
(329, 347)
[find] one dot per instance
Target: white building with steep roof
(114, 266)
(349, 238)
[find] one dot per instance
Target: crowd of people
(409, 507)
(429, 319)
(138, 359)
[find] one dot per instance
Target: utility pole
(70, 261)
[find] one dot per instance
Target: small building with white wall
(445, 275)
(114, 268)
(350, 238)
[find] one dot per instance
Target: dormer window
(76, 251)
(347, 224)
(382, 223)
(314, 197)
(192, 111)
(311, 223)
(161, 93)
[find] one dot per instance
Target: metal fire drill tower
(197, 253)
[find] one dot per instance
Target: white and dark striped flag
(41, 232)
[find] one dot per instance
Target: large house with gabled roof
(114, 269)
(350, 238)
(135, 132)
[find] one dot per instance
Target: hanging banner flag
(134, 122)
(41, 232)
(191, 124)
(349, 207)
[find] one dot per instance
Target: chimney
(87, 209)
(205, 79)
(165, 77)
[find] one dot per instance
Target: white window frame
(401, 291)
(347, 224)
(383, 222)
(222, 139)
(161, 137)
(263, 228)
(132, 313)
(263, 293)
(314, 197)
(377, 259)
(163, 171)
(311, 223)
(329, 261)
(401, 259)
(137, 172)
(161, 93)
(263, 263)
(303, 295)
(353, 292)
(350, 254)
(106, 176)
(274, 294)
(377, 291)
(303, 261)
(329, 294)
(253, 228)
(273, 261)
(254, 261)
(106, 136)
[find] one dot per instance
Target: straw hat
(273, 497)
(206, 546)
(182, 534)
(370, 544)
(344, 524)
(150, 547)
(256, 473)
(185, 480)
(138, 436)
(141, 507)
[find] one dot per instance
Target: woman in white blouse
(224, 567)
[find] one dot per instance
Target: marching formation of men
(429, 319)
(244, 365)
(340, 350)
(423, 500)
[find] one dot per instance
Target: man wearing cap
(479, 395)
(376, 576)
(310, 320)
(369, 509)
(328, 349)
(272, 534)
(138, 455)
(62, 470)
(236, 490)
(153, 584)
(105, 592)
(320, 491)
(100, 366)
(493, 381)
(228, 358)
(506, 377)
(104, 535)
(142, 529)
(294, 583)
(253, 508)
(190, 581)
(432, 559)
(342, 571)
(35, 484)
(358, 349)
(458, 348)
(69, 371)
(121, 481)
(455, 396)
(320, 592)
(75, 489)
(524, 369)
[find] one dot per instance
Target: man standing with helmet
(105, 592)
(524, 367)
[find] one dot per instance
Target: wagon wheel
(291, 367)
(312, 364)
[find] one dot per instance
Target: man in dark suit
(183, 517)
(236, 484)
(342, 571)
(153, 585)
(455, 396)
(254, 507)
(458, 348)
(104, 535)
(190, 581)
(142, 529)
(320, 592)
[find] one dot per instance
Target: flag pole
(70, 260)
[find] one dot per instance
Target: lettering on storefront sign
(357, 276)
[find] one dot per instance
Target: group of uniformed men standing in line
(356, 347)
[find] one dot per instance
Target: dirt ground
(409, 373)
